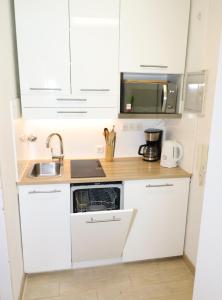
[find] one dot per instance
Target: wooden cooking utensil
(110, 138)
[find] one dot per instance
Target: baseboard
(189, 264)
(22, 287)
(97, 263)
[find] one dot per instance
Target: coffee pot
(151, 151)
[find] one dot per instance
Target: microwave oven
(148, 97)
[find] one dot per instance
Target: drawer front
(82, 100)
(99, 235)
(69, 113)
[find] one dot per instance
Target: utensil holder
(109, 153)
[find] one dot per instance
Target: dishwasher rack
(96, 197)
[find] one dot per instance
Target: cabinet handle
(159, 185)
(94, 90)
(114, 219)
(45, 89)
(63, 99)
(154, 66)
(72, 112)
(45, 192)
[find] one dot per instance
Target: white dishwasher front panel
(99, 235)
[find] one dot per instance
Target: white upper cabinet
(94, 38)
(153, 35)
(43, 46)
(197, 42)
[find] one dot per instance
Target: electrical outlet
(100, 149)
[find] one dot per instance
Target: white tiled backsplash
(84, 138)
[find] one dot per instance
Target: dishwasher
(99, 222)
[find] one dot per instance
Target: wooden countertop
(130, 168)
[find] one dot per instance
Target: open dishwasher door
(99, 235)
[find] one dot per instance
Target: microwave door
(145, 98)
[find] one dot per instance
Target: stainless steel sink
(46, 169)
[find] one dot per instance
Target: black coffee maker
(151, 151)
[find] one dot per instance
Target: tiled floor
(156, 280)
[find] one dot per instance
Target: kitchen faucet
(58, 156)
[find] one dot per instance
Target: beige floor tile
(40, 289)
(110, 272)
(174, 297)
(143, 267)
(171, 264)
(156, 280)
(175, 275)
(179, 287)
(142, 274)
(43, 277)
(83, 296)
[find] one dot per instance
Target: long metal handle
(114, 219)
(164, 98)
(64, 99)
(45, 89)
(72, 112)
(45, 192)
(159, 185)
(94, 90)
(154, 66)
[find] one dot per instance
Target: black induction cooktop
(86, 168)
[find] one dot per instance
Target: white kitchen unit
(45, 225)
(153, 36)
(99, 236)
(42, 29)
(158, 229)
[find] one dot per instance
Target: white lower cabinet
(151, 225)
(45, 226)
(158, 229)
(99, 235)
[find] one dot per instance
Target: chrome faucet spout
(48, 142)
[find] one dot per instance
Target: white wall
(81, 137)
(209, 263)
(19, 134)
(5, 275)
(8, 92)
(206, 24)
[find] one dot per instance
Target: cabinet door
(94, 47)
(42, 28)
(153, 35)
(99, 235)
(158, 229)
(196, 54)
(45, 224)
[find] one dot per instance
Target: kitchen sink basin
(46, 169)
